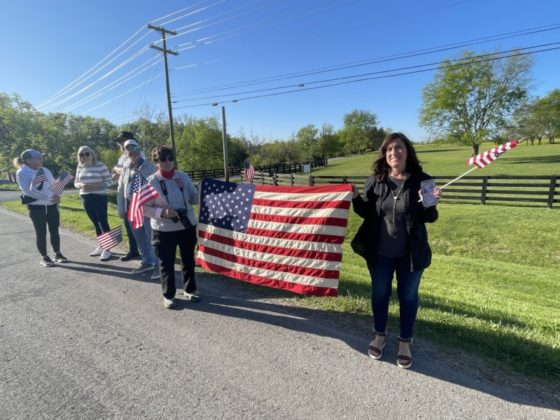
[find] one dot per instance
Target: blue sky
(45, 46)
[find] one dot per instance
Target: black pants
(95, 206)
(41, 216)
(165, 244)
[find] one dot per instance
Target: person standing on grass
(93, 179)
(396, 241)
(116, 175)
(137, 167)
(42, 204)
(173, 225)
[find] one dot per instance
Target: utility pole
(165, 51)
(224, 140)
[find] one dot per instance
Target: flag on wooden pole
(486, 158)
(282, 237)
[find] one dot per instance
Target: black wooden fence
(529, 189)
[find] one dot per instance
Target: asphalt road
(88, 340)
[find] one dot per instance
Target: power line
(376, 60)
(363, 78)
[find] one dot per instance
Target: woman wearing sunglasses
(173, 224)
(92, 179)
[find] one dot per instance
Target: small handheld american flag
(39, 178)
(248, 173)
(142, 193)
(486, 158)
(110, 239)
(58, 186)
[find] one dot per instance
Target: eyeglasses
(166, 159)
(85, 154)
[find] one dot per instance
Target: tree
(360, 132)
(307, 138)
(472, 97)
(329, 142)
(546, 111)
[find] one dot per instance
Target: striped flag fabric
(248, 172)
(142, 193)
(276, 236)
(39, 177)
(58, 186)
(110, 239)
(486, 158)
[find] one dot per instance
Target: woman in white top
(93, 178)
(34, 181)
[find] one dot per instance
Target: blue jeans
(95, 206)
(407, 291)
(143, 236)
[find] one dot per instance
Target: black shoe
(129, 257)
(59, 258)
(47, 262)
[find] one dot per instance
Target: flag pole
(458, 178)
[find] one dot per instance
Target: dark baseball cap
(124, 136)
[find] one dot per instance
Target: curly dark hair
(160, 151)
(380, 166)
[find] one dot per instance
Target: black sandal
(404, 361)
(377, 352)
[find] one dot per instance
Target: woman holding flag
(35, 181)
(395, 210)
(173, 224)
(93, 179)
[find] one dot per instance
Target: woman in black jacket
(399, 199)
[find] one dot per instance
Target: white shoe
(192, 297)
(97, 251)
(168, 303)
(105, 255)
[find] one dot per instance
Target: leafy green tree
(307, 138)
(472, 97)
(546, 111)
(200, 145)
(329, 143)
(360, 132)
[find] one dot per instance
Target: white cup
(428, 198)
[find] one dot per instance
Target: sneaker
(97, 251)
(105, 255)
(156, 275)
(142, 269)
(129, 256)
(168, 303)
(47, 262)
(59, 258)
(191, 297)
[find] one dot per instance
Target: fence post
(292, 180)
(311, 180)
(551, 191)
(484, 190)
(345, 180)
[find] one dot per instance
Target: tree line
(198, 140)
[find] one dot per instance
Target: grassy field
(493, 289)
(449, 160)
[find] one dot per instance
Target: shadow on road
(249, 303)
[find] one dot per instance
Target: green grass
(450, 160)
(9, 187)
(493, 289)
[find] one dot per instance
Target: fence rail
(530, 189)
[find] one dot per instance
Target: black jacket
(416, 218)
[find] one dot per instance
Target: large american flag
(248, 172)
(486, 158)
(282, 237)
(142, 193)
(58, 186)
(110, 239)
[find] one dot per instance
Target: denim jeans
(132, 247)
(95, 206)
(143, 236)
(407, 291)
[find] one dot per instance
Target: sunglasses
(166, 159)
(85, 154)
